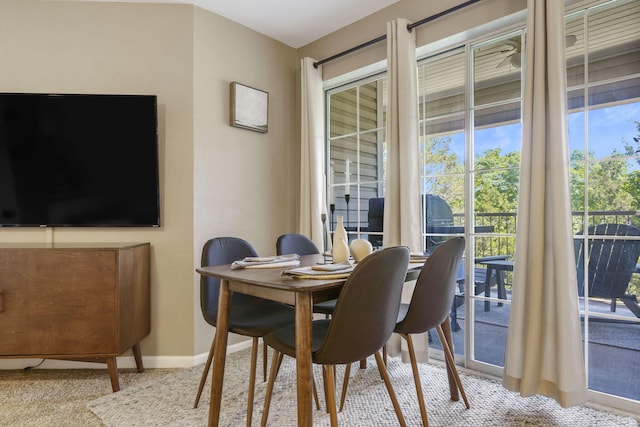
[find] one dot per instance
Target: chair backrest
(611, 262)
(438, 213)
(435, 288)
(367, 308)
(295, 244)
(375, 219)
(220, 251)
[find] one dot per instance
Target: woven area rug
(168, 401)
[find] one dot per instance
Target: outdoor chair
(439, 219)
(611, 264)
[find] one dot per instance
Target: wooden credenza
(87, 302)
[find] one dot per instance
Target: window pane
(497, 70)
(369, 103)
(613, 41)
(343, 113)
(614, 341)
(574, 40)
(497, 147)
(442, 145)
(612, 129)
(442, 84)
(356, 137)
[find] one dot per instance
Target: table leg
(487, 288)
(219, 353)
(500, 283)
(303, 358)
(446, 331)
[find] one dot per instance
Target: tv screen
(78, 160)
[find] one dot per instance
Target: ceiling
(292, 22)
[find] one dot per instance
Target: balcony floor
(614, 348)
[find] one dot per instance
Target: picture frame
(249, 108)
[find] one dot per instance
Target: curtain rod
(384, 37)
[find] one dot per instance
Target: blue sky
(608, 128)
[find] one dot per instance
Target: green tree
(632, 183)
(443, 171)
(496, 182)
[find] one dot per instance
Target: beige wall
(244, 181)
(215, 180)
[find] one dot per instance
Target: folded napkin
(417, 257)
(267, 262)
(321, 271)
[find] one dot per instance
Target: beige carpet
(167, 401)
(42, 397)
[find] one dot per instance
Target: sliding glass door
(470, 99)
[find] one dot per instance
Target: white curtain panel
(402, 224)
(544, 351)
(312, 186)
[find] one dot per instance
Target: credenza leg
(138, 356)
(112, 365)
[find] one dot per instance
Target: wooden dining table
(301, 293)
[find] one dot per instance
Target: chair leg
(275, 367)
(384, 354)
(452, 364)
(252, 380)
(416, 379)
(324, 386)
(264, 362)
(205, 372)
(315, 392)
(330, 396)
(632, 304)
(392, 394)
(345, 384)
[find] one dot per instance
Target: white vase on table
(340, 231)
(340, 250)
(360, 248)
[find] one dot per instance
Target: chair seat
(325, 307)
(284, 339)
(257, 318)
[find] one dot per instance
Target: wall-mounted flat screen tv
(78, 160)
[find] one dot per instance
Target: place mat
(417, 258)
(321, 271)
(277, 261)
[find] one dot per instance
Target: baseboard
(124, 362)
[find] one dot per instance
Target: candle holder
(347, 197)
(332, 209)
(323, 217)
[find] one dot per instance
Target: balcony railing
(502, 239)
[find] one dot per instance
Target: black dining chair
(371, 292)
(249, 316)
(293, 243)
(300, 244)
(429, 308)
